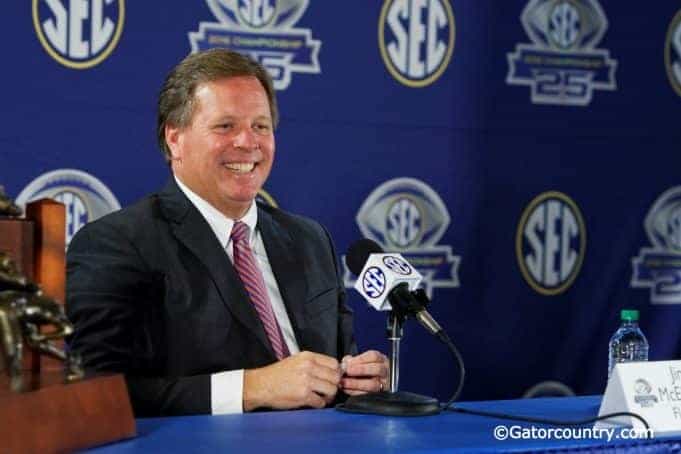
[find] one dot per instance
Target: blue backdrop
(523, 153)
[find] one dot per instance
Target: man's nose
(245, 139)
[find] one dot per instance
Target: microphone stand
(394, 331)
(392, 402)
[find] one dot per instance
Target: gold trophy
(25, 312)
(41, 376)
(7, 206)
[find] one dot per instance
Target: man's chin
(242, 198)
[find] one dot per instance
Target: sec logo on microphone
(416, 39)
(551, 243)
(397, 265)
(79, 34)
(373, 282)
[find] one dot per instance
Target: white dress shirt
(226, 388)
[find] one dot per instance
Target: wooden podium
(52, 416)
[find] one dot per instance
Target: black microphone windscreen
(358, 254)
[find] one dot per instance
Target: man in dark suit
(205, 300)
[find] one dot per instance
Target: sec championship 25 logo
(562, 66)
(79, 34)
(658, 267)
(550, 243)
(416, 39)
(672, 53)
(265, 30)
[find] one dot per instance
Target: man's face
(225, 153)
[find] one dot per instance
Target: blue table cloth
(331, 431)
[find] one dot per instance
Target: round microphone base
(400, 403)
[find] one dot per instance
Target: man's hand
(365, 373)
(303, 380)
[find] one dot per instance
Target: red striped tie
(247, 268)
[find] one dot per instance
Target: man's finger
(315, 401)
(328, 375)
(367, 370)
(353, 392)
(323, 388)
(369, 356)
(362, 384)
(324, 361)
(344, 363)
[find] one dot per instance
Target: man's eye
(225, 126)
(262, 127)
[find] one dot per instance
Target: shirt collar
(219, 223)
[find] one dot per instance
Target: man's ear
(173, 139)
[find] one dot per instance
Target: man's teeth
(242, 167)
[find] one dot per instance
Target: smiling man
(207, 301)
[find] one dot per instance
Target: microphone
(388, 282)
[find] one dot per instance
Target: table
(329, 431)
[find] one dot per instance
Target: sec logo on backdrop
(550, 243)
(79, 34)
(406, 215)
(416, 39)
(86, 198)
(257, 13)
(672, 53)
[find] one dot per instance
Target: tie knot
(240, 232)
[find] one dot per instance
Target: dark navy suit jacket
(153, 295)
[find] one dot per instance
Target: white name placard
(652, 390)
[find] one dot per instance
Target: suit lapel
(192, 230)
(287, 267)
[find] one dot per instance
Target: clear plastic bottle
(628, 343)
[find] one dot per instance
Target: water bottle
(628, 343)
